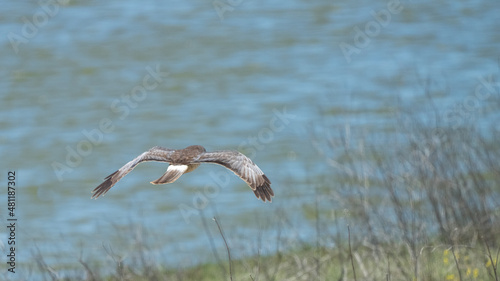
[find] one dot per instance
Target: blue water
(222, 84)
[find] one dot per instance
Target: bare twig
(87, 269)
(43, 266)
(496, 264)
(388, 275)
(211, 240)
(492, 260)
(118, 262)
(90, 274)
(350, 252)
(227, 248)
(456, 262)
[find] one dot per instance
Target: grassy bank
(363, 262)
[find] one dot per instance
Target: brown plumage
(188, 159)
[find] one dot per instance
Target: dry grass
(422, 205)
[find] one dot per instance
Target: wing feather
(244, 168)
(156, 153)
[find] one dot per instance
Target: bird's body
(187, 160)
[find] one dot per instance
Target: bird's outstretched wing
(156, 153)
(244, 168)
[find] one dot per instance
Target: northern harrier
(186, 160)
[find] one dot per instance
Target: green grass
(382, 262)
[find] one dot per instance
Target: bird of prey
(186, 160)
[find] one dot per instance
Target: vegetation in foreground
(361, 261)
(422, 205)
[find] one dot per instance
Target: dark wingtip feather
(264, 191)
(103, 187)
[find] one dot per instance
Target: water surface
(256, 81)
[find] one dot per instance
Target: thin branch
(492, 260)
(211, 240)
(496, 264)
(350, 252)
(227, 248)
(456, 262)
(88, 270)
(388, 275)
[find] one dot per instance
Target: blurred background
(88, 85)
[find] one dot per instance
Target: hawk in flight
(186, 160)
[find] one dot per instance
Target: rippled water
(253, 80)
